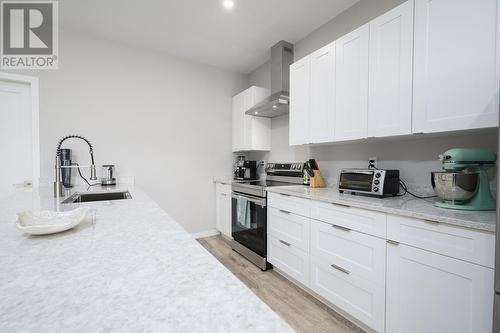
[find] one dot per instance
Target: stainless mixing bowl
(451, 186)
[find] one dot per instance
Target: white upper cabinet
(390, 78)
(456, 65)
(250, 132)
(300, 85)
(322, 111)
(351, 106)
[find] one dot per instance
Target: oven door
(356, 180)
(249, 222)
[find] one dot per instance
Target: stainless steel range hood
(277, 103)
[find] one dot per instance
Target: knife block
(317, 180)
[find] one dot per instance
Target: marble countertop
(128, 267)
(404, 206)
(227, 181)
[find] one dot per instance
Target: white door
(428, 292)
(17, 142)
(322, 111)
(351, 111)
(456, 65)
(238, 123)
(390, 79)
(300, 74)
(223, 213)
(348, 269)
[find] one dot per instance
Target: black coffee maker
(245, 170)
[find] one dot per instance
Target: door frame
(35, 117)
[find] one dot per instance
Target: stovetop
(266, 183)
(258, 187)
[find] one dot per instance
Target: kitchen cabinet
(322, 94)
(469, 245)
(312, 97)
(351, 82)
(223, 209)
(388, 272)
(456, 65)
(287, 257)
(348, 269)
(390, 73)
(429, 292)
(250, 132)
(300, 79)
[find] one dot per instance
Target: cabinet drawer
(360, 254)
(469, 245)
(367, 221)
(290, 259)
(361, 298)
(223, 188)
(289, 203)
(288, 227)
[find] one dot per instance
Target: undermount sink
(98, 196)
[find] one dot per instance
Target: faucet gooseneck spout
(58, 182)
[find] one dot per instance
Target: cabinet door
(428, 292)
(237, 122)
(348, 269)
(247, 119)
(290, 228)
(390, 79)
(223, 213)
(351, 106)
(300, 73)
(456, 65)
(290, 259)
(322, 111)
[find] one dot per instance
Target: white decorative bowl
(49, 222)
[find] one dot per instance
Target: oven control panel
(288, 169)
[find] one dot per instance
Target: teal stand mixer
(463, 183)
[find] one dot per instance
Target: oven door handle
(258, 201)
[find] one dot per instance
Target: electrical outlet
(372, 163)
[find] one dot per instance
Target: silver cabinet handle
(340, 227)
(431, 222)
(224, 194)
(284, 211)
(343, 270)
(392, 242)
(285, 195)
(341, 205)
(286, 243)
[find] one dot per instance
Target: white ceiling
(202, 30)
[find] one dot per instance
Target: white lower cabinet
(428, 292)
(348, 270)
(223, 209)
(388, 273)
(288, 227)
(288, 258)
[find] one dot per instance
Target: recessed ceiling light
(275, 106)
(228, 4)
(256, 112)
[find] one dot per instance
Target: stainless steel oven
(249, 211)
(249, 226)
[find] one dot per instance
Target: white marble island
(129, 267)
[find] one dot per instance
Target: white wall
(415, 156)
(163, 120)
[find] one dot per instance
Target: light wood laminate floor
(301, 311)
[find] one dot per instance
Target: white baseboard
(206, 233)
